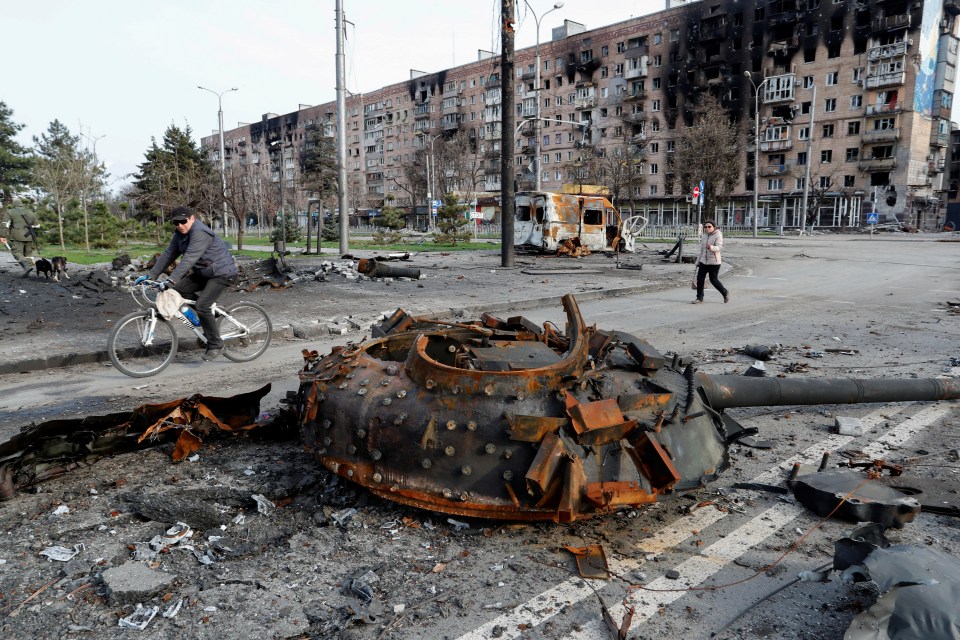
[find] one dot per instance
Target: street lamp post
(223, 161)
(756, 146)
(431, 174)
(536, 123)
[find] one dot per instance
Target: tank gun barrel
(726, 391)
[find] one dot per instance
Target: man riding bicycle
(206, 269)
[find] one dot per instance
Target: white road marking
(544, 606)
(696, 570)
(840, 302)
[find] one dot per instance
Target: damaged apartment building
(854, 101)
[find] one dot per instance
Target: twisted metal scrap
(52, 448)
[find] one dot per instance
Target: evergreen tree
(15, 161)
(390, 224)
(319, 175)
(331, 228)
(176, 173)
(451, 221)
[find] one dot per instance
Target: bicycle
(144, 343)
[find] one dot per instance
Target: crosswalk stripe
(712, 559)
(544, 606)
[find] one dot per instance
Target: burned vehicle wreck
(506, 419)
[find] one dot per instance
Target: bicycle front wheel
(246, 331)
(138, 351)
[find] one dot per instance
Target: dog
(59, 265)
(53, 266)
(44, 267)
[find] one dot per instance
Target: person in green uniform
(18, 227)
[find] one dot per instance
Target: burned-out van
(545, 219)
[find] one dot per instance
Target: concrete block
(337, 330)
(133, 582)
(848, 426)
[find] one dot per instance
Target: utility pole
(806, 170)
(342, 137)
(507, 136)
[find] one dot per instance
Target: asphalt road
(881, 299)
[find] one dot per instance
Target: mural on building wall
(927, 50)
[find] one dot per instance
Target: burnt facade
(854, 105)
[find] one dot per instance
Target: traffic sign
(696, 193)
(872, 218)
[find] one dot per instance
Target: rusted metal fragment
(533, 428)
(396, 323)
(591, 561)
(653, 462)
(585, 416)
(618, 632)
(52, 448)
(606, 495)
(854, 497)
(543, 473)
(599, 422)
(574, 480)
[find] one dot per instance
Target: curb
(303, 331)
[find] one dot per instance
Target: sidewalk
(454, 285)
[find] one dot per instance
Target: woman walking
(708, 262)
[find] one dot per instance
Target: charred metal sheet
(919, 587)
(503, 419)
(52, 448)
(934, 495)
(591, 561)
(854, 497)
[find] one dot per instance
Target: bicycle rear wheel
(246, 331)
(131, 356)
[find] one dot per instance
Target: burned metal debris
(853, 496)
(919, 587)
(511, 420)
(52, 448)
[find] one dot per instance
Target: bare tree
(709, 151)
(54, 168)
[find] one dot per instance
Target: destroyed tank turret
(510, 420)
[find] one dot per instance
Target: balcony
(888, 23)
(585, 103)
(935, 166)
(772, 170)
(713, 31)
(887, 51)
(783, 47)
(880, 109)
(881, 135)
(938, 139)
(776, 145)
(785, 17)
(877, 164)
(639, 72)
(894, 78)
